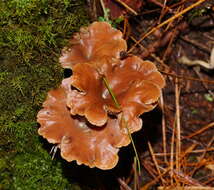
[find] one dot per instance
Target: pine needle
(123, 121)
(111, 93)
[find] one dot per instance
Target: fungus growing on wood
(92, 114)
(78, 139)
(92, 43)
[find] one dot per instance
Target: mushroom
(91, 115)
(92, 43)
(78, 139)
(136, 84)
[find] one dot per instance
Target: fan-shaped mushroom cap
(78, 139)
(136, 84)
(92, 43)
(80, 120)
(88, 102)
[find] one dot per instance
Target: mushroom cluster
(91, 114)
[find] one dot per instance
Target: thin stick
(163, 126)
(123, 184)
(136, 182)
(133, 145)
(166, 22)
(162, 11)
(201, 158)
(111, 93)
(196, 44)
(168, 49)
(149, 169)
(194, 151)
(188, 151)
(125, 26)
(187, 78)
(127, 7)
(145, 187)
(155, 162)
(201, 130)
(105, 13)
(124, 122)
(170, 74)
(208, 181)
(152, 54)
(178, 126)
(171, 166)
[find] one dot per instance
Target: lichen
(32, 34)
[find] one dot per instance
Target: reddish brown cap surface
(136, 84)
(92, 43)
(77, 139)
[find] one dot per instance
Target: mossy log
(32, 34)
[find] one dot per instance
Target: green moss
(32, 34)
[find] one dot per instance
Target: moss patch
(32, 34)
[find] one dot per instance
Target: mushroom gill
(92, 43)
(77, 139)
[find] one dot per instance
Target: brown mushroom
(85, 122)
(92, 43)
(136, 84)
(78, 139)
